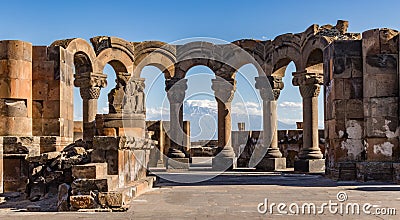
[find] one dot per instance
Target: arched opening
(157, 112)
(200, 106)
(315, 61)
(247, 114)
(200, 110)
(102, 104)
(290, 117)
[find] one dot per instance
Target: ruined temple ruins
(359, 73)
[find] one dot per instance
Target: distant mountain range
(204, 122)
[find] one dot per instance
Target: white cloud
(157, 113)
(202, 103)
(291, 105)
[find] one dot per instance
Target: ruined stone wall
(15, 88)
(52, 93)
(344, 117)
(361, 107)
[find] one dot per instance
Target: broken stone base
(271, 164)
(178, 163)
(310, 166)
(224, 163)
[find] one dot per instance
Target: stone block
(370, 42)
(21, 145)
(384, 127)
(381, 63)
(178, 164)
(15, 126)
(353, 88)
(271, 164)
(354, 109)
(382, 149)
(63, 197)
(381, 107)
(310, 166)
(54, 91)
(15, 174)
(85, 186)
(43, 70)
(110, 199)
(374, 171)
(339, 109)
(16, 50)
(39, 53)
(52, 109)
(39, 89)
(13, 108)
(224, 163)
(16, 88)
(15, 69)
(89, 171)
(82, 202)
(387, 85)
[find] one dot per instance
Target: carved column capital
(224, 89)
(176, 89)
(269, 86)
(90, 84)
(309, 83)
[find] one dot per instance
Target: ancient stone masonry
(359, 74)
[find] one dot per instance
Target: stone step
(89, 171)
(137, 188)
(85, 186)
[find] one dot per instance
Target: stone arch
(286, 49)
(157, 54)
(312, 53)
(78, 51)
(248, 51)
(114, 51)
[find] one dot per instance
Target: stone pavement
(236, 195)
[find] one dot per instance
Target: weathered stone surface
(89, 171)
(82, 202)
(110, 199)
(64, 191)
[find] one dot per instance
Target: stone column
(224, 90)
(310, 155)
(270, 88)
(175, 89)
(90, 85)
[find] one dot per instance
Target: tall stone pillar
(224, 90)
(270, 88)
(175, 89)
(90, 85)
(310, 155)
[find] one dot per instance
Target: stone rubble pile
(49, 170)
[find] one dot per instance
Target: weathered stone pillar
(270, 88)
(310, 155)
(90, 85)
(224, 90)
(175, 89)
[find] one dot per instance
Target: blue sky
(42, 22)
